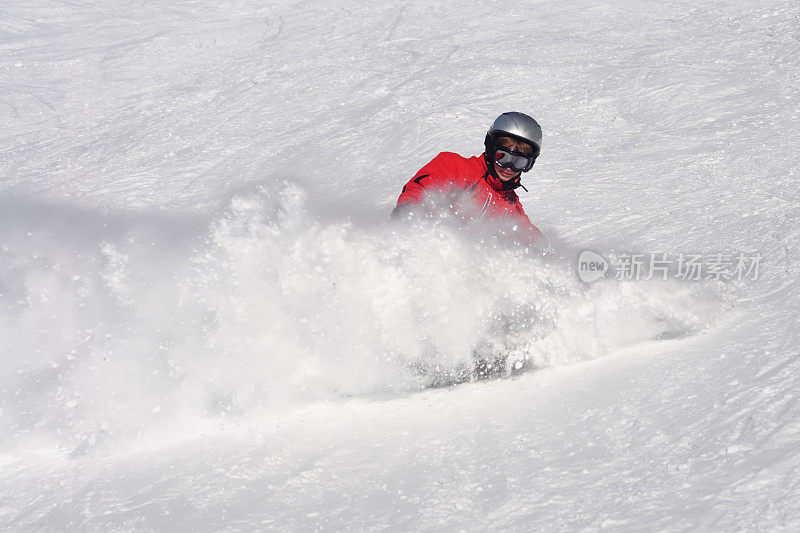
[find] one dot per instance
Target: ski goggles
(516, 161)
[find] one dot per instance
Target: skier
(478, 187)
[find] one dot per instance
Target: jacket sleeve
(433, 177)
(528, 232)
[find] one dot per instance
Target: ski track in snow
(207, 321)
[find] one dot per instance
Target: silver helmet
(516, 125)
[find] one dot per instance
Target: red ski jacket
(471, 191)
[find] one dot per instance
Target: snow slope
(207, 321)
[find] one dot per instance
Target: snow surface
(208, 323)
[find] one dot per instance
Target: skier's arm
(528, 232)
(428, 178)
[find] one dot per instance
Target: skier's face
(507, 174)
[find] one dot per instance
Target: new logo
(591, 266)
